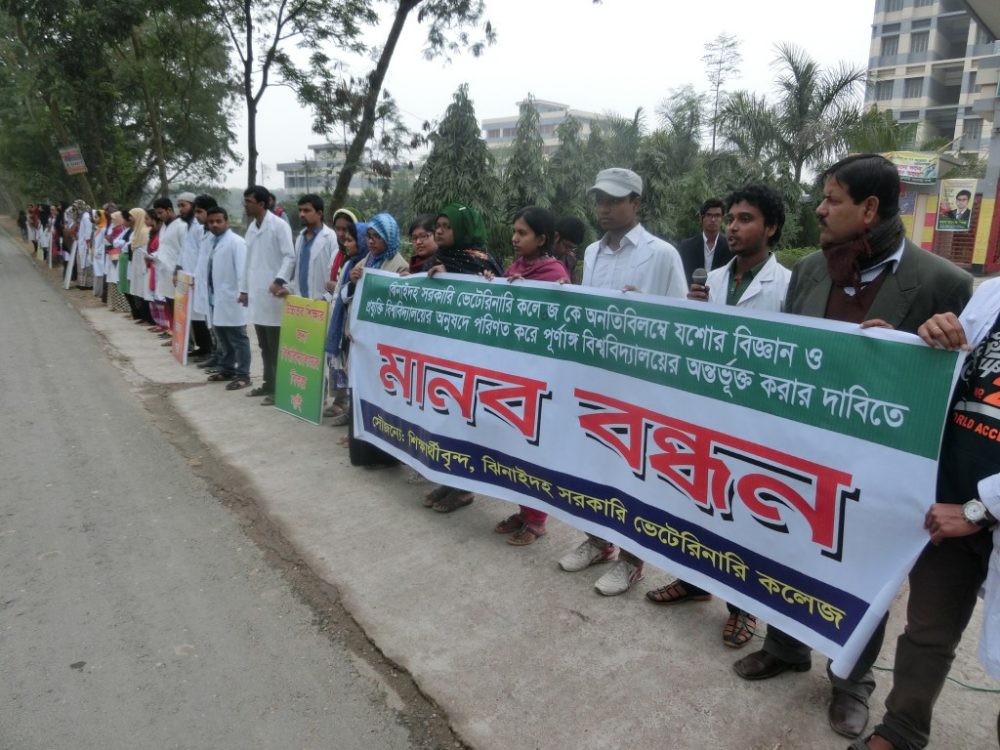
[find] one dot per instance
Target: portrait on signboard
(955, 205)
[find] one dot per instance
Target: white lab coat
(100, 245)
(84, 237)
(199, 304)
(651, 265)
(324, 249)
(228, 258)
(189, 264)
(138, 274)
(270, 256)
(766, 290)
(168, 255)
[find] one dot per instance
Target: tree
(71, 76)
(809, 120)
(722, 59)
(459, 166)
(442, 16)
(261, 30)
(570, 172)
(875, 132)
(524, 175)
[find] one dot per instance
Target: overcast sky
(616, 56)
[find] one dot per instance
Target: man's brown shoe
(760, 665)
(848, 714)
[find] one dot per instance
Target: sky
(611, 57)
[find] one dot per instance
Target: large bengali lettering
(715, 470)
(435, 381)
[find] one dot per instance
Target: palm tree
(809, 119)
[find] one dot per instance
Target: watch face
(974, 511)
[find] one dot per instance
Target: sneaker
(585, 555)
(619, 579)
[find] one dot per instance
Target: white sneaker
(619, 579)
(585, 555)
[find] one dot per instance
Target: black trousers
(267, 340)
(201, 335)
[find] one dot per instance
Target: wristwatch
(976, 513)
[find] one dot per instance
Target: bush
(789, 256)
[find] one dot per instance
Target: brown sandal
(675, 592)
(510, 524)
(435, 495)
(739, 629)
(453, 501)
(525, 536)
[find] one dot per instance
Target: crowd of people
(867, 273)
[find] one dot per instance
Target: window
(509, 132)
(918, 41)
(893, 5)
(972, 131)
(920, 23)
(883, 91)
(924, 4)
(890, 28)
(983, 36)
(495, 133)
(909, 115)
(913, 88)
(890, 45)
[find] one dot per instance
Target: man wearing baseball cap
(629, 259)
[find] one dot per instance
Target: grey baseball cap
(617, 182)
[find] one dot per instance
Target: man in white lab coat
(227, 253)
(753, 280)
(196, 244)
(270, 264)
(315, 249)
(168, 254)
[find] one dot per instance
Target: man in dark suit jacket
(867, 273)
(708, 250)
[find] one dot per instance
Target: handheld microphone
(699, 277)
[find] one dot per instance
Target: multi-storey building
(936, 63)
(319, 173)
(499, 132)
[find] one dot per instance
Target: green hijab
(467, 224)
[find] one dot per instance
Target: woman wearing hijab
(117, 238)
(138, 277)
(355, 251)
(460, 234)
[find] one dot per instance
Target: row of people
(868, 273)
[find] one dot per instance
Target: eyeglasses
(421, 236)
(713, 217)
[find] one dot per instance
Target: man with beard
(867, 273)
(194, 213)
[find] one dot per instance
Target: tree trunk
(367, 125)
(251, 100)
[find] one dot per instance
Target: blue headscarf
(386, 227)
(335, 332)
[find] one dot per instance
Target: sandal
(218, 377)
(453, 501)
(510, 524)
(739, 629)
(435, 495)
(236, 383)
(525, 536)
(675, 592)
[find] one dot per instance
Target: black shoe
(848, 714)
(208, 363)
(259, 391)
(760, 665)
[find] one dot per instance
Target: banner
(300, 379)
(915, 167)
(783, 463)
(181, 333)
(72, 160)
(955, 201)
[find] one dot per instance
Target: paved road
(134, 612)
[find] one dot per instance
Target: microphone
(699, 277)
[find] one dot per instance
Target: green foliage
(571, 171)
(524, 182)
(136, 87)
(789, 256)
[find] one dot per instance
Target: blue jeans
(233, 355)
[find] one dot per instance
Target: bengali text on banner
(784, 463)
